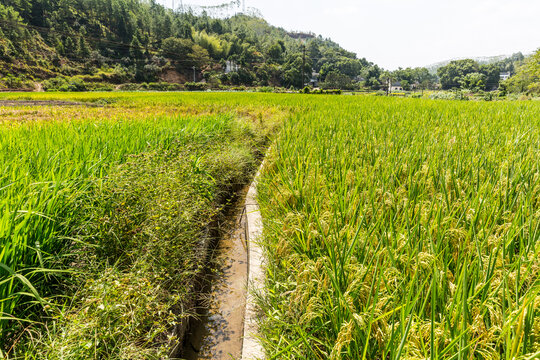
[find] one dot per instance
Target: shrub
(238, 88)
(265, 89)
(163, 86)
(129, 87)
(196, 86)
(54, 84)
(15, 82)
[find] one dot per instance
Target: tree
(413, 77)
(371, 74)
(147, 25)
(452, 74)
(268, 74)
(275, 53)
(69, 47)
(292, 71)
(199, 56)
(83, 51)
(176, 48)
(474, 81)
(216, 26)
(493, 75)
(527, 77)
(345, 66)
(337, 80)
(185, 30)
(135, 48)
(511, 63)
(406, 85)
(313, 51)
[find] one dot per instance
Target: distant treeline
(136, 41)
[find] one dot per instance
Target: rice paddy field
(399, 229)
(393, 228)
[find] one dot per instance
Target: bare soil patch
(45, 103)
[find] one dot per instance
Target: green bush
(129, 87)
(324, 92)
(54, 84)
(196, 86)
(75, 84)
(163, 86)
(447, 95)
(16, 82)
(238, 88)
(265, 89)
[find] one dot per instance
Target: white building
(231, 66)
(505, 75)
(314, 81)
(395, 86)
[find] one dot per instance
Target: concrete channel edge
(251, 348)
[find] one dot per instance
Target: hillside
(124, 41)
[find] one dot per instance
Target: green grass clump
(400, 228)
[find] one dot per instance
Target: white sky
(394, 33)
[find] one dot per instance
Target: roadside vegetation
(403, 229)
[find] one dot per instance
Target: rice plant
(403, 229)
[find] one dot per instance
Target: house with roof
(505, 75)
(395, 86)
(314, 81)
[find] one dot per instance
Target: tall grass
(51, 170)
(403, 229)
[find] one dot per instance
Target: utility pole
(244, 7)
(173, 5)
(303, 64)
(194, 76)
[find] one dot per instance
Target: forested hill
(121, 41)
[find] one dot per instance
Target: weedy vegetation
(106, 218)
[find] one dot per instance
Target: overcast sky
(394, 33)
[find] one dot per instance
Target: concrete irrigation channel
(225, 327)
